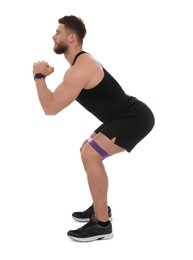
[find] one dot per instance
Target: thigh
(129, 131)
(107, 144)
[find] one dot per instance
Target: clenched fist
(43, 68)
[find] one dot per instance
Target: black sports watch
(39, 76)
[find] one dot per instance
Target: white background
(148, 47)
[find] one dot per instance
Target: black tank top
(107, 101)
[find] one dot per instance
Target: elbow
(49, 112)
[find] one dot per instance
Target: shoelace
(87, 224)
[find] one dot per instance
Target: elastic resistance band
(97, 148)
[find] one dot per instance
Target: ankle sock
(103, 224)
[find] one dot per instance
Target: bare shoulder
(89, 68)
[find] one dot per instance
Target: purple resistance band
(97, 148)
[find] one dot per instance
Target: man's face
(61, 39)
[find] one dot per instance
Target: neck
(70, 54)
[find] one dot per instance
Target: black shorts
(130, 127)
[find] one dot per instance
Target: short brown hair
(75, 24)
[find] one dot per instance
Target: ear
(72, 37)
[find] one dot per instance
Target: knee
(89, 156)
(86, 155)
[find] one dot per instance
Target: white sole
(90, 239)
(86, 219)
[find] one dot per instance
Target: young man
(125, 119)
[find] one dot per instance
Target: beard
(60, 48)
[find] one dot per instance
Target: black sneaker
(84, 216)
(91, 231)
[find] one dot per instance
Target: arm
(53, 102)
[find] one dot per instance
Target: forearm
(44, 95)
